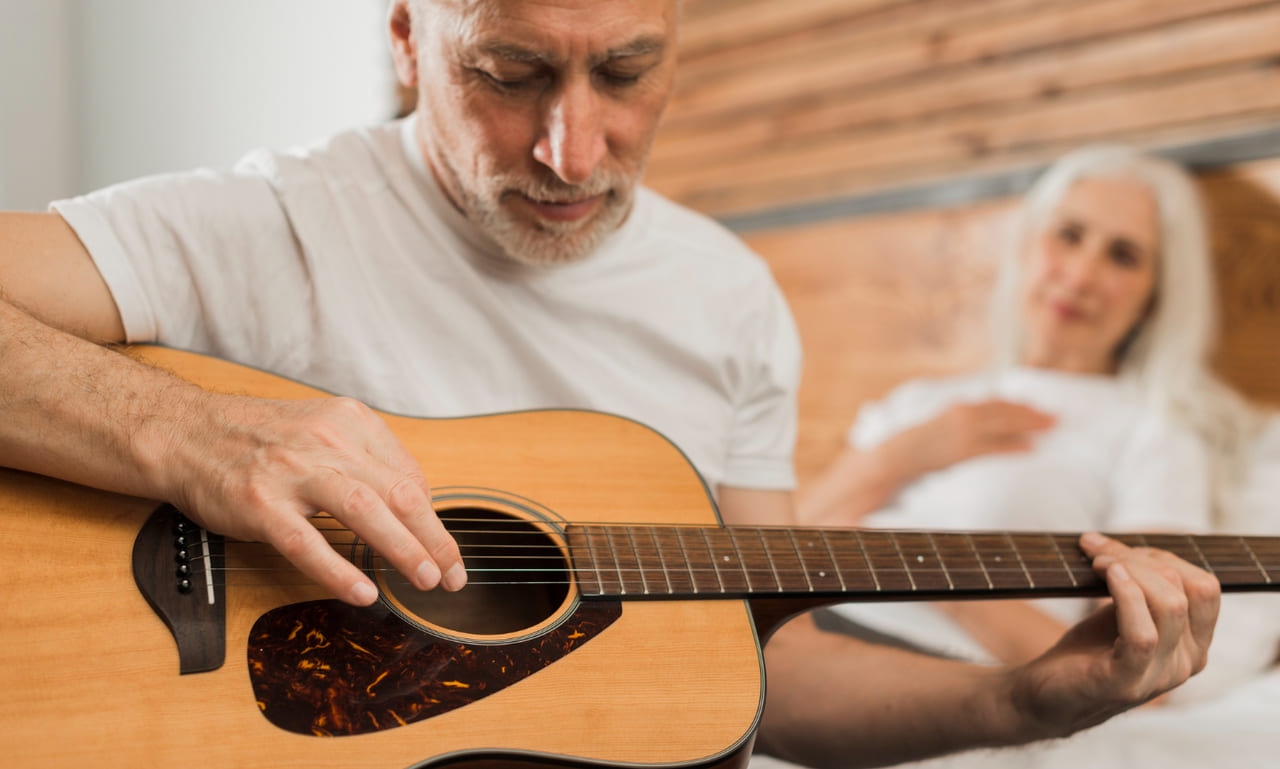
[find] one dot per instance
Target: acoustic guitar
(609, 620)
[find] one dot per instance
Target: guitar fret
(712, 557)
(1031, 583)
(803, 569)
(950, 585)
(607, 570)
(635, 550)
(595, 560)
(688, 562)
(905, 566)
(822, 573)
(1200, 554)
(875, 579)
(742, 562)
(764, 545)
(834, 563)
(617, 565)
(1265, 575)
(1062, 558)
(978, 556)
(662, 561)
(928, 574)
(584, 533)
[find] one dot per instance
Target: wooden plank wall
(881, 299)
(779, 103)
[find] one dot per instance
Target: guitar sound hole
(517, 577)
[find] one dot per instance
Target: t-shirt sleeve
(1162, 480)
(764, 432)
(202, 261)
(871, 426)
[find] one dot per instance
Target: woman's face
(1089, 275)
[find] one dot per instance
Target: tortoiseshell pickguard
(328, 669)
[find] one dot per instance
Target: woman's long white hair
(1166, 357)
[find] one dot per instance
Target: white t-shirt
(1107, 464)
(344, 266)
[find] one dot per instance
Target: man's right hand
(257, 470)
(247, 468)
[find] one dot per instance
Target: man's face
(537, 116)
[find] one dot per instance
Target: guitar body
(90, 673)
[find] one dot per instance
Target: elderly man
(493, 252)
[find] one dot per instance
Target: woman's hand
(859, 482)
(965, 431)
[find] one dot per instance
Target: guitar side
(91, 676)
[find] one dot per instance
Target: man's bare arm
(46, 271)
(249, 468)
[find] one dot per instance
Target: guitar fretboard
(715, 562)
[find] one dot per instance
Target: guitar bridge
(178, 568)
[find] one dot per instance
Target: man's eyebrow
(641, 46)
(512, 52)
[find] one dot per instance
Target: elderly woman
(1097, 410)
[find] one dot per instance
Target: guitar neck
(683, 562)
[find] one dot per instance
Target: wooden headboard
(880, 299)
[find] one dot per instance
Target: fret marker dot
(822, 574)
(999, 558)
(919, 559)
(726, 559)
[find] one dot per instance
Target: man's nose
(572, 143)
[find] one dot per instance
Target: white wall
(38, 145)
(99, 91)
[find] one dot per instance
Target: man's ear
(404, 48)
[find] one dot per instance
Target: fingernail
(363, 594)
(427, 576)
(1103, 561)
(456, 578)
(1119, 572)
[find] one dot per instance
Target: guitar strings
(879, 559)
(702, 574)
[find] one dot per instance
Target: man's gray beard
(544, 243)
(539, 243)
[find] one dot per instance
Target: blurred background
(873, 151)
(870, 150)
(94, 92)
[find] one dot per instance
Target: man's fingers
(362, 509)
(409, 496)
(410, 500)
(1139, 637)
(1165, 608)
(1190, 596)
(307, 549)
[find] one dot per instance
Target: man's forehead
(530, 29)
